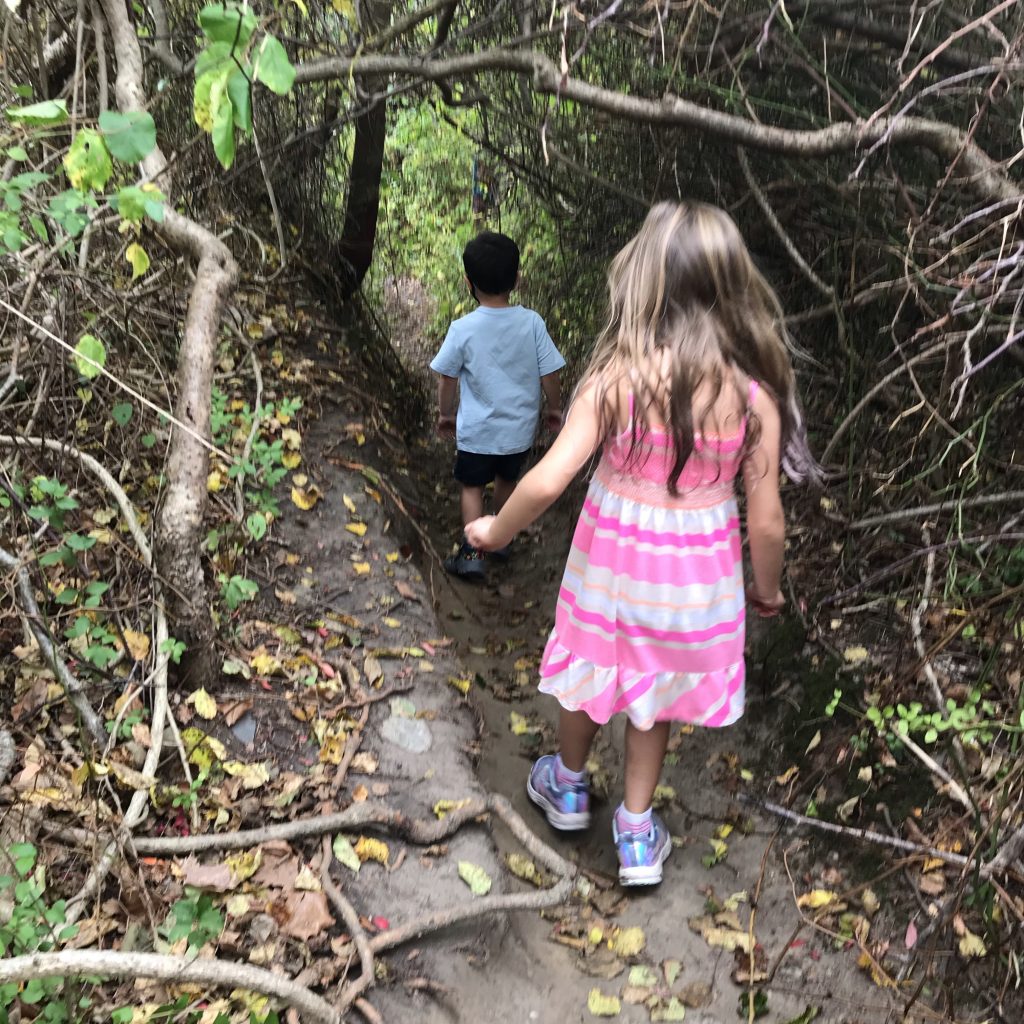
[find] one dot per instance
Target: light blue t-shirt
(499, 357)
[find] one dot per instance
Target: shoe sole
(649, 874)
(558, 819)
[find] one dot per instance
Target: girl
(690, 384)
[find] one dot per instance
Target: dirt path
(500, 629)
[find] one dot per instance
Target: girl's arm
(766, 525)
(574, 445)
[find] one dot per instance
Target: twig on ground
(353, 990)
(7, 754)
(71, 684)
(168, 968)
(867, 835)
(351, 746)
(368, 1010)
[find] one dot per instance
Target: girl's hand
(766, 607)
(478, 533)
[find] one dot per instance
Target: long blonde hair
(685, 292)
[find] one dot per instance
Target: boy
(501, 358)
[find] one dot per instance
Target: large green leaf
(240, 91)
(49, 112)
(215, 57)
(87, 162)
(129, 137)
(90, 356)
(273, 68)
(223, 125)
(227, 24)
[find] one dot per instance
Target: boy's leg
(471, 501)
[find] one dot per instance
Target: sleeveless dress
(651, 611)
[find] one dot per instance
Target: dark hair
(492, 263)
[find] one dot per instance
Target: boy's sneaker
(502, 554)
(641, 855)
(467, 563)
(567, 808)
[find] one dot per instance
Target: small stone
(412, 734)
(245, 729)
(262, 929)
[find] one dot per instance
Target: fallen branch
(349, 915)
(867, 835)
(942, 506)
(221, 973)
(7, 755)
(70, 683)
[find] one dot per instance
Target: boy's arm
(549, 384)
(446, 408)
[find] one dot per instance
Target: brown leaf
(216, 877)
(306, 914)
(696, 994)
(406, 591)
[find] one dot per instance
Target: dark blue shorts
(475, 470)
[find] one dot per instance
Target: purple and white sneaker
(567, 807)
(642, 854)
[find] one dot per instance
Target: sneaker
(467, 563)
(502, 554)
(641, 856)
(566, 808)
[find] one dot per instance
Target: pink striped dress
(651, 611)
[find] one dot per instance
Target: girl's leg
(576, 732)
(645, 753)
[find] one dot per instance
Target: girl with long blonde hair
(690, 388)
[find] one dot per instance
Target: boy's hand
(553, 420)
(478, 534)
(766, 607)
(446, 427)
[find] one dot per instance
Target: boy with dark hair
(501, 359)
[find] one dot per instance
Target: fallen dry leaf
(302, 915)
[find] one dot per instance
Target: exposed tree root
(169, 968)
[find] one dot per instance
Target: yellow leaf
(518, 723)
(869, 901)
(306, 880)
(349, 503)
(787, 776)
(522, 867)
(292, 438)
(252, 775)
(138, 258)
(244, 865)
(346, 8)
(138, 644)
(817, 898)
(629, 942)
(305, 498)
(361, 568)
(462, 685)
(345, 854)
(359, 529)
(390, 622)
(721, 936)
(601, 1005)
(264, 664)
(723, 831)
(442, 807)
(205, 705)
(372, 849)
(215, 481)
(475, 877)
(815, 740)
(291, 460)
(392, 557)
(855, 655)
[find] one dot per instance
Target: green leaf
(130, 137)
(122, 413)
(17, 153)
(240, 91)
(138, 258)
(273, 68)
(346, 854)
(256, 524)
(90, 356)
(49, 112)
(223, 127)
(223, 24)
(475, 877)
(87, 162)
